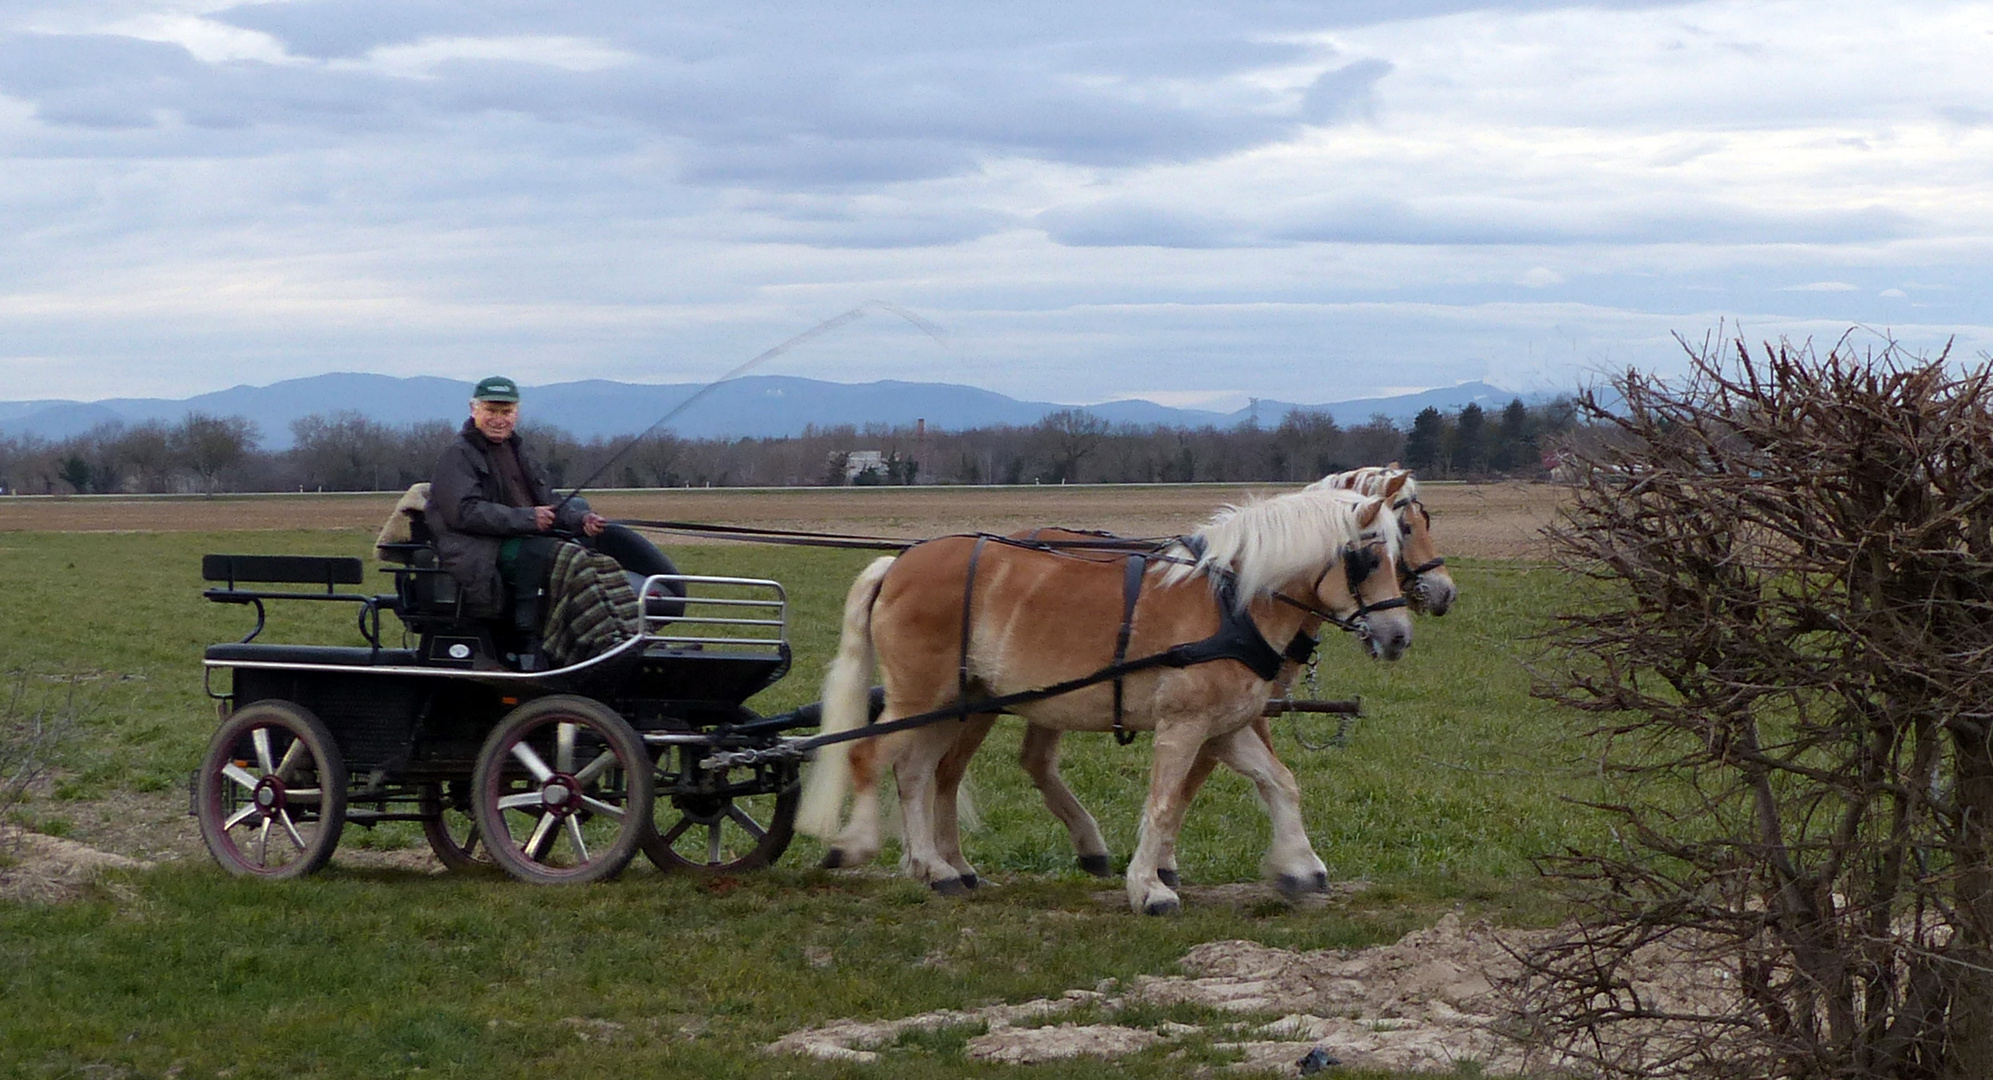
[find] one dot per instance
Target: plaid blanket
(591, 607)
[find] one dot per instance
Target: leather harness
(1237, 637)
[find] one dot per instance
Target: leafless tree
(1784, 641)
(1073, 435)
(209, 445)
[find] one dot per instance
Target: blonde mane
(1268, 542)
(1371, 480)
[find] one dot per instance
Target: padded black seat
(347, 655)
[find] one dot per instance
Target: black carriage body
(389, 712)
(415, 728)
(412, 730)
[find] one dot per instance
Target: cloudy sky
(1187, 201)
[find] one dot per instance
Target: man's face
(495, 418)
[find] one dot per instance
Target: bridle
(1412, 578)
(1358, 562)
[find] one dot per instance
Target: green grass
(1452, 780)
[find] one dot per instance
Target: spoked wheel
(271, 796)
(562, 791)
(452, 828)
(722, 822)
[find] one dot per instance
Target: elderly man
(491, 509)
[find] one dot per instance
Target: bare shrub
(1785, 641)
(35, 720)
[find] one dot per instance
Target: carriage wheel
(562, 791)
(714, 832)
(271, 795)
(452, 828)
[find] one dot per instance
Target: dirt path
(1497, 521)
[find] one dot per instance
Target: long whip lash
(813, 332)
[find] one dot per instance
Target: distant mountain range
(755, 406)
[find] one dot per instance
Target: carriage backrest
(285, 569)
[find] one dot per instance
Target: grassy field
(1450, 783)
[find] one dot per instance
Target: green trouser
(523, 563)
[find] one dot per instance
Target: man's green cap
(496, 388)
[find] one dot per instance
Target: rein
(1097, 542)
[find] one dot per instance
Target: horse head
(1422, 573)
(1365, 595)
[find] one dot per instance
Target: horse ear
(1394, 466)
(1395, 485)
(1366, 516)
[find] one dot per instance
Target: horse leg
(1176, 750)
(858, 842)
(915, 771)
(1290, 860)
(1193, 782)
(947, 790)
(1040, 758)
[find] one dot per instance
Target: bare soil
(1437, 1000)
(1495, 521)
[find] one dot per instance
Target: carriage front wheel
(562, 791)
(271, 793)
(721, 821)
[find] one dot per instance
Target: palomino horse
(1422, 575)
(962, 619)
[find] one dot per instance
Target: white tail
(847, 693)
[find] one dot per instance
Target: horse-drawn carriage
(461, 727)
(563, 773)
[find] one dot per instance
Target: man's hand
(543, 518)
(592, 523)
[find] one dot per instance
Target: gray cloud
(1139, 223)
(1344, 93)
(1470, 220)
(777, 97)
(1206, 193)
(1462, 221)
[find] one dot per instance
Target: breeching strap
(1133, 571)
(968, 624)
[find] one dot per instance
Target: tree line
(347, 451)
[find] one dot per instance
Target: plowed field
(1476, 520)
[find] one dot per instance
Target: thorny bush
(1786, 649)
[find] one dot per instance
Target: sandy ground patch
(1429, 1001)
(1433, 1001)
(1476, 520)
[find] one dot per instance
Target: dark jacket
(468, 515)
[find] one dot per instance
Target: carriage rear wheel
(452, 828)
(271, 793)
(721, 822)
(562, 791)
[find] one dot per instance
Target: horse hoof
(1096, 865)
(1294, 886)
(949, 886)
(833, 859)
(970, 880)
(1162, 907)
(1167, 875)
